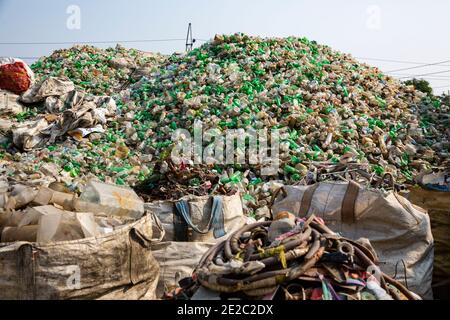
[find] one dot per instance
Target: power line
(447, 86)
(431, 79)
(397, 61)
(413, 74)
(89, 42)
(421, 66)
(427, 77)
(426, 74)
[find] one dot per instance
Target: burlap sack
(200, 210)
(396, 229)
(117, 265)
(177, 260)
(438, 205)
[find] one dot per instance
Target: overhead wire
(91, 42)
(398, 61)
(439, 78)
(426, 74)
(440, 87)
(413, 75)
(420, 66)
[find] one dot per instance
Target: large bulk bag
(179, 255)
(201, 211)
(15, 75)
(438, 205)
(177, 260)
(117, 265)
(399, 231)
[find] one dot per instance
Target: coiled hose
(282, 262)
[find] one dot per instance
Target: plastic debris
(9, 104)
(58, 226)
(80, 116)
(109, 199)
(26, 233)
(47, 214)
(20, 196)
(439, 181)
(47, 88)
(48, 196)
(98, 71)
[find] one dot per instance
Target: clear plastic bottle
(99, 197)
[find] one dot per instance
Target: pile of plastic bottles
(328, 108)
(97, 71)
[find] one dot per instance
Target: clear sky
(402, 30)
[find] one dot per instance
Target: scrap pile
(294, 259)
(328, 107)
(97, 71)
(34, 137)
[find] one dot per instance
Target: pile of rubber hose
(296, 259)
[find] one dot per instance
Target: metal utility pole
(189, 40)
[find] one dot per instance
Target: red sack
(15, 75)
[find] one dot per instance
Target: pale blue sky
(404, 30)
